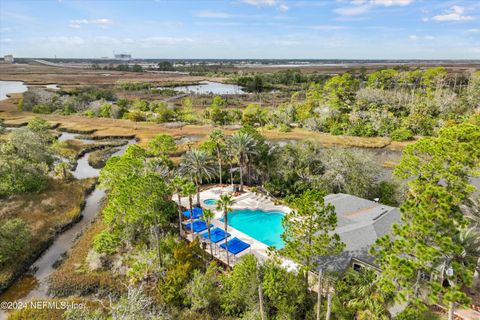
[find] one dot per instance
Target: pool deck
(247, 200)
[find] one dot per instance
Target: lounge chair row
(235, 245)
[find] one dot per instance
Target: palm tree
(208, 216)
(469, 239)
(188, 190)
(225, 204)
(197, 164)
(472, 212)
(178, 183)
(217, 137)
(359, 292)
(242, 145)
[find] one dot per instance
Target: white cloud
(267, 3)
(454, 14)
(283, 8)
(260, 2)
(473, 31)
(5, 29)
(389, 3)
(415, 37)
(5, 40)
(212, 14)
(327, 27)
(103, 23)
(363, 6)
(352, 11)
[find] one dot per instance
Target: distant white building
(8, 58)
(123, 56)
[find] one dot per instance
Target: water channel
(35, 284)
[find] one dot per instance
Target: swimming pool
(264, 226)
(210, 202)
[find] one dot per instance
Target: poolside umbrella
(197, 212)
(197, 226)
(235, 246)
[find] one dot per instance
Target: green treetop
(430, 233)
(309, 230)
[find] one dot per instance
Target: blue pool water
(210, 202)
(264, 226)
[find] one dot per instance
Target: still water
(209, 87)
(8, 87)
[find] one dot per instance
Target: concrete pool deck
(247, 200)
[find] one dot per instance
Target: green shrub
(20, 104)
(361, 130)
(284, 128)
(135, 115)
(336, 129)
(68, 108)
(141, 105)
(89, 113)
(106, 242)
(401, 134)
(410, 314)
(105, 110)
(14, 236)
(42, 108)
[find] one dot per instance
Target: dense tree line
(395, 103)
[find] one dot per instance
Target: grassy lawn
(47, 213)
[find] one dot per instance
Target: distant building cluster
(8, 58)
(123, 56)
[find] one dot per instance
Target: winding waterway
(35, 284)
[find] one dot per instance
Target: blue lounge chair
(197, 226)
(197, 212)
(235, 246)
(216, 235)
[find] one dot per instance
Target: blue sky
(341, 29)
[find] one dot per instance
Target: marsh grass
(73, 277)
(47, 213)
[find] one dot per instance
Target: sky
(241, 29)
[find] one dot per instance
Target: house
(360, 222)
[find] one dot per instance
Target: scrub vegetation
(134, 261)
